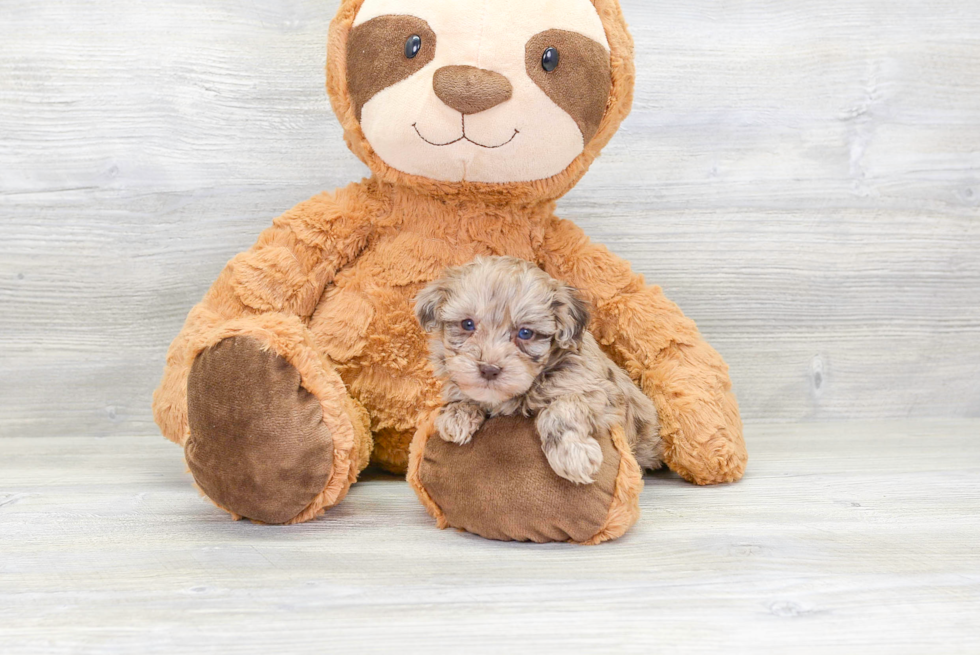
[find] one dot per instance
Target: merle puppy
(507, 338)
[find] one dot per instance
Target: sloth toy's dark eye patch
(384, 51)
(574, 71)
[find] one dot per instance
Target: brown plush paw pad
(258, 446)
(500, 486)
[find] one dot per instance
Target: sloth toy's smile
(465, 138)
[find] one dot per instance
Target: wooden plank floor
(850, 537)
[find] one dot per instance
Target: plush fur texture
(329, 288)
(506, 338)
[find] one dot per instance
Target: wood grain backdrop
(801, 176)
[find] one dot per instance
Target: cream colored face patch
(476, 101)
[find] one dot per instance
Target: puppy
(508, 338)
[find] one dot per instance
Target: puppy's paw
(457, 422)
(573, 457)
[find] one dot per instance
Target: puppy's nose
(470, 90)
(489, 372)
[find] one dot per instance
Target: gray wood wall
(801, 176)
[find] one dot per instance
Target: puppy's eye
(524, 334)
(550, 59)
(468, 325)
(412, 46)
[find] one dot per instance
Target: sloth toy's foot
(500, 486)
(258, 446)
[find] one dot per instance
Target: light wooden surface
(842, 538)
(802, 177)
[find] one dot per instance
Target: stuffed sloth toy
(304, 362)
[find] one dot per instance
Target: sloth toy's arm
(663, 352)
(268, 293)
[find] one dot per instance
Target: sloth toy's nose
(470, 90)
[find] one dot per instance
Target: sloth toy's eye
(550, 59)
(412, 46)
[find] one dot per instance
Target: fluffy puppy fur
(506, 337)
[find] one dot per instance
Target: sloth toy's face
(491, 91)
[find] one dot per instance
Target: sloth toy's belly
(365, 324)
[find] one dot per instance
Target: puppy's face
(496, 323)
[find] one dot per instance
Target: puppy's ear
(428, 303)
(572, 315)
